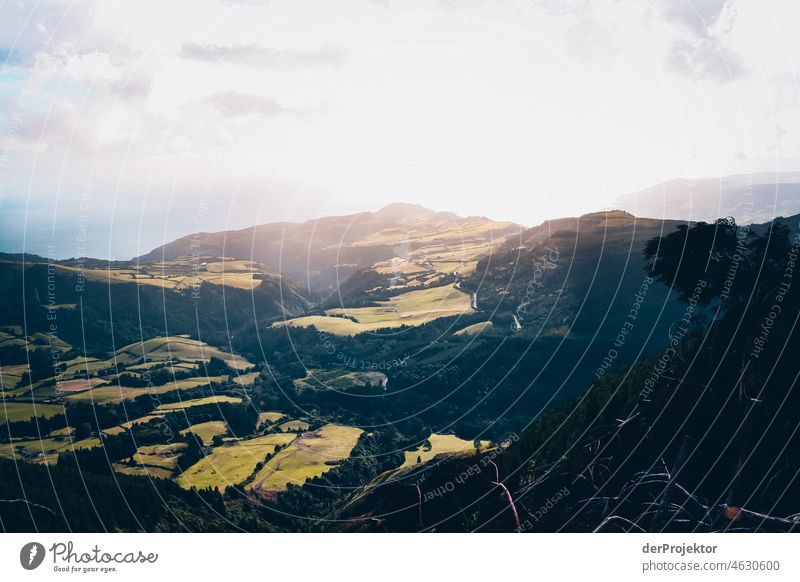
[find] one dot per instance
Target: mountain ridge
(321, 252)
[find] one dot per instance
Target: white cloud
(705, 58)
(520, 110)
(253, 55)
(235, 104)
(700, 50)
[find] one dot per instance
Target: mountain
(548, 307)
(578, 273)
(320, 253)
(541, 351)
(700, 436)
(97, 307)
(748, 198)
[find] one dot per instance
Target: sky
(124, 125)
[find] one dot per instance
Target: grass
(116, 394)
(10, 376)
(244, 379)
(268, 418)
(441, 444)
(24, 411)
(7, 451)
(232, 267)
(310, 455)
(45, 450)
(293, 426)
(113, 431)
(475, 328)
(232, 463)
(206, 431)
(141, 420)
(177, 348)
(163, 456)
(49, 341)
(341, 380)
(143, 471)
(63, 432)
(216, 399)
(178, 274)
(81, 366)
(400, 266)
(80, 384)
(13, 336)
(412, 308)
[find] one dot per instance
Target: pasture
(441, 444)
(216, 399)
(475, 328)
(180, 273)
(164, 456)
(310, 455)
(206, 431)
(265, 418)
(341, 380)
(293, 426)
(116, 394)
(45, 450)
(231, 463)
(24, 411)
(173, 348)
(412, 308)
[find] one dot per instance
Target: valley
(448, 348)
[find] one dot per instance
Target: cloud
(234, 104)
(253, 55)
(698, 16)
(786, 93)
(705, 58)
(245, 2)
(700, 51)
(30, 29)
(586, 37)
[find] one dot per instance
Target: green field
(245, 379)
(10, 376)
(341, 380)
(24, 411)
(441, 444)
(45, 450)
(216, 399)
(206, 431)
(81, 366)
(293, 426)
(180, 273)
(143, 471)
(475, 328)
(411, 308)
(142, 420)
(310, 455)
(232, 463)
(265, 418)
(116, 394)
(163, 456)
(173, 348)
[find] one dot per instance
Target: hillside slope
(320, 253)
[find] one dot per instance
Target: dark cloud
(253, 55)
